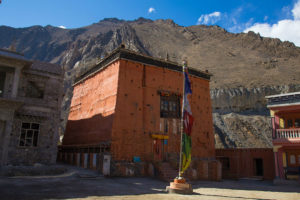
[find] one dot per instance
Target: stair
(166, 172)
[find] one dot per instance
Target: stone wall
(33, 94)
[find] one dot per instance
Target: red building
(246, 163)
(129, 104)
(285, 114)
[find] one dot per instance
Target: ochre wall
(93, 107)
(137, 113)
(242, 162)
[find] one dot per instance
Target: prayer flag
(187, 124)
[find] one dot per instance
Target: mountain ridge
(245, 66)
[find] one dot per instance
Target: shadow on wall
(88, 131)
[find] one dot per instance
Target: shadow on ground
(81, 183)
(76, 186)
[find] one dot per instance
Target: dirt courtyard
(85, 184)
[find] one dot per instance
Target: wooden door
(157, 150)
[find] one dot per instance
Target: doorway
(160, 149)
(258, 167)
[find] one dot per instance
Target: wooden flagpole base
(179, 186)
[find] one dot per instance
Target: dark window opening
(166, 126)
(289, 123)
(29, 134)
(297, 123)
(225, 163)
(2, 82)
(169, 106)
(258, 167)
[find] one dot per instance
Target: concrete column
(277, 161)
(16, 82)
(2, 129)
(85, 161)
(276, 165)
(273, 127)
(5, 143)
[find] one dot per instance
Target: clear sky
(271, 18)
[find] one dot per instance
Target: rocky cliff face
(244, 99)
(246, 67)
(240, 116)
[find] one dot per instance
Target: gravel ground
(79, 183)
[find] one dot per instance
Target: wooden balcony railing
(288, 133)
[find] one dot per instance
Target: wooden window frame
(169, 106)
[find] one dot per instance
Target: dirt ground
(79, 183)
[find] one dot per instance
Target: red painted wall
(138, 112)
(242, 162)
(93, 107)
(121, 103)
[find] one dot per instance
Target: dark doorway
(2, 82)
(258, 167)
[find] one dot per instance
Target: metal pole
(181, 124)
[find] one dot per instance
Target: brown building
(129, 104)
(247, 163)
(30, 101)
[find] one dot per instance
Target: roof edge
(123, 53)
(280, 95)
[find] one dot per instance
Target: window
(166, 127)
(281, 123)
(292, 159)
(169, 106)
(2, 82)
(297, 123)
(29, 134)
(289, 123)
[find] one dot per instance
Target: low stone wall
(205, 170)
(128, 169)
(86, 160)
(199, 169)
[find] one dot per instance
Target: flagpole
(181, 124)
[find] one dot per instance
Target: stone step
(167, 173)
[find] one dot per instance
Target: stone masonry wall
(42, 107)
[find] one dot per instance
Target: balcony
(288, 133)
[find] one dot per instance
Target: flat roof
(282, 100)
(126, 54)
(46, 67)
(281, 95)
(13, 55)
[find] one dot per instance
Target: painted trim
(161, 137)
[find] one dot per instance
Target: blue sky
(234, 15)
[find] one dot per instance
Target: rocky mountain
(246, 66)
